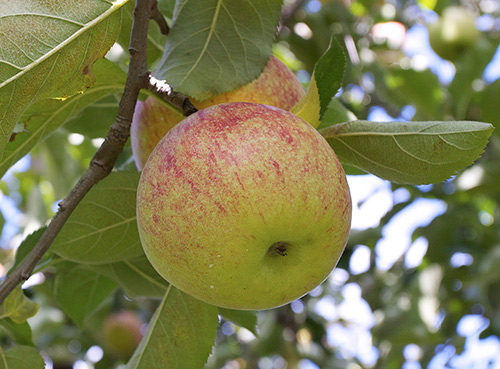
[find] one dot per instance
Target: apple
(277, 86)
(243, 206)
(453, 32)
(121, 332)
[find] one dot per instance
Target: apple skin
(277, 86)
(121, 332)
(243, 206)
(453, 32)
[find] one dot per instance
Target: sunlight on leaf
(409, 152)
(48, 50)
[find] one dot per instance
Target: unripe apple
(243, 206)
(277, 86)
(121, 333)
(453, 32)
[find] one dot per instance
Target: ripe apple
(453, 32)
(277, 86)
(121, 333)
(243, 206)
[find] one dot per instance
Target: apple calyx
(278, 248)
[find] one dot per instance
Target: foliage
(58, 98)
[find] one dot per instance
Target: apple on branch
(277, 86)
(244, 206)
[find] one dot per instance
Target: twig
(162, 89)
(103, 161)
(158, 17)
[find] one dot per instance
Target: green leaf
(180, 334)
(21, 357)
(19, 333)
(48, 51)
(166, 7)
(470, 66)
(94, 121)
(18, 307)
(418, 88)
(44, 117)
(243, 318)
(80, 292)
(409, 152)
(325, 82)
(335, 113)
(103, 228)
(137, 277)
(26, 246)
(215, 46)
(328, 73)
(487, 100)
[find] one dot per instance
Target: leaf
(469, 67)
(166, 7)
(409, 152)
(21, 357)
(44, 117)
(215, 46)
(180, 334)
(94, 121)
(421, 89)
(19, 333)
(137, 277)
(80, 292)
(26, 246)
(336, 113)
(487, 100)
(103, 228)
(48, 50)
(325, 82)
(328, 73)
(18, 307)
(243, 318)
(308, 107)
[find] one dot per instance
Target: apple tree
(78, 288)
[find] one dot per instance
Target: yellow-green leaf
(308, 108)
(18, 307)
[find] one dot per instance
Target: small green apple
(453, 32)
(243, 206)
(277, 86)
(121, 332)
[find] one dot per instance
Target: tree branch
(158, 17)
(162, 89)
(105, 158)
